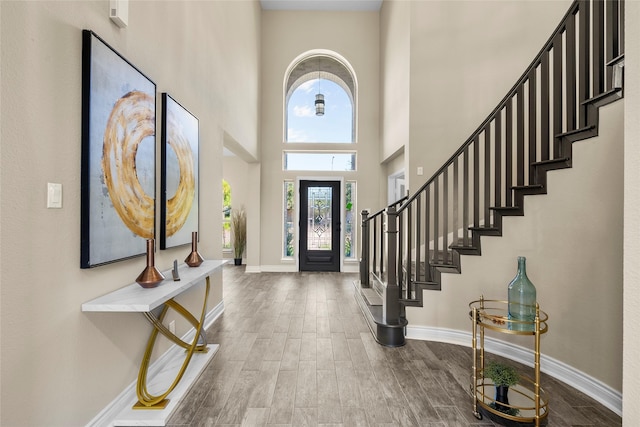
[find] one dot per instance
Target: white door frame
(396, 187)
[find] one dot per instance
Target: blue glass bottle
(522, 299)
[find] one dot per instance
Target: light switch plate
(54, 195)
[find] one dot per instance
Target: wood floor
(295, 350)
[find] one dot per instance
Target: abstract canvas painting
(179, 181)
(118, 156)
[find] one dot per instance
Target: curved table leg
(145, 399)
(157, 323)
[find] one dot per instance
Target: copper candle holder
(150, 276)
(194, 259)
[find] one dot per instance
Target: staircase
(407, 246)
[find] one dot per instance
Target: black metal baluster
(427, 240)
(436, 220)
(544, 106)
(520, 135)
(508, 154)
(402, 278)
(418, 202)
(382, 245)
(374, 257)
(445, 214)
(465, 198)
(557, 93)
(456, 200)
(410, 246)
(570, 72)
(598, 48)
(584, 55)
(497, 181)
(476, 182)
(487, 174)
(364, 250)
(533, 123)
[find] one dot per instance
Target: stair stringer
(572, 239)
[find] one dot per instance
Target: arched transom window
(320, 108)
(329, 77)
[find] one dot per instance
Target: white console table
(154, 409)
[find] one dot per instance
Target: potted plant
(503, 376)
(239, 233)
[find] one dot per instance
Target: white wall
(60, 366)
(631, 326)
(465, 56)
(395, 76)
(285, 36)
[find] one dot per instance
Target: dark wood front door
(319, 226)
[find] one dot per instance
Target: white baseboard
(278, 268)
(351, 267)
(293, 268)
(588, 385)
(252, 269)
(119, 412)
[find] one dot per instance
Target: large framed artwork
(179, 179)
(118, 156)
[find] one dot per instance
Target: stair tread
(527, 187)
(444, 265)
(411, 302)
(576, 131)
(551, 161)
(462, 246)
(505, 208)
(508, 210)
(483, 227)
(466, 250)
(598, 100)
(422, 284)
(371, 296)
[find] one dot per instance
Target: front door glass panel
(319, 232)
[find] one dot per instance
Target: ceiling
(324, 5)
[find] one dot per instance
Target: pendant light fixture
(319, 104)
(319, 96)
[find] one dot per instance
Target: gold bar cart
(529, 401)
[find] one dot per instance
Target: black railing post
(364, 247)
(391, 297)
